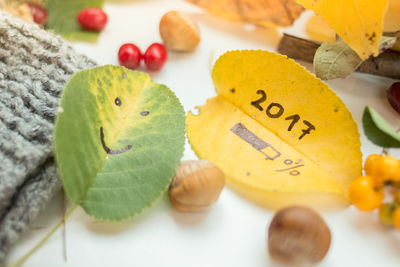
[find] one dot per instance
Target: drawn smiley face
(108, 150)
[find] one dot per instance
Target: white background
(231, 233)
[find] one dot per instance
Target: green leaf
(119, 138)
(338, 60)
(62, 18)
(378, 130)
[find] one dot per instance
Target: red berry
(155, 56)
(39, 13)
(129, 56)
(393, 95)
(92, 19)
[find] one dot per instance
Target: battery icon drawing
(260, 145)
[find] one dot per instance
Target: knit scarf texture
(34, 67)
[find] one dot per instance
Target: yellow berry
(396, 218)
(363, 195)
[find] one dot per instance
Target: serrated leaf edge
(173, 95)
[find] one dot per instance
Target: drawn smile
(109, 150)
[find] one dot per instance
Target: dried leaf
(17, 9)
(395, 34)
(280, 135)
(260, 12)
(338, 60)
(358, 22)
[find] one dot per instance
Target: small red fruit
(393, 95)
(155, 56)
(39, 13)
(92, 19)
(129, 56)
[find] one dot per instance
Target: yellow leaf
(318, 30)
(260, 12)
(358, 22)
(280, 134)
(392, 18)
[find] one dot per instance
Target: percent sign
(291, 169)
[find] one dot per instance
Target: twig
(387, 64)
(298, 48)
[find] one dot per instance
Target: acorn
(297, 236)
(178, 32)
(197, 184)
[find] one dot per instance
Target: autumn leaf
(260, 12)
(62, 18)
(318, 30)
(118, 140)
(358, 22)
(392, 18)
(338, 60)
(280, 135)
(17, 9)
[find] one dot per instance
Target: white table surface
(232, 232)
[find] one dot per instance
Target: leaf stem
(33, 250)
(64, 230)
(385, 150)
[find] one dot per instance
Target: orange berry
(392, 168)
(382, 168)
(363, 195)
(371, 166)
(396, 175)
(396, 218)
(397, 196)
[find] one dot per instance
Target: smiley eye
(118, 102)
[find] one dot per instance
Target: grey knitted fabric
(34, 67)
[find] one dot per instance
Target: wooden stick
(386, 64)
(298, 48)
